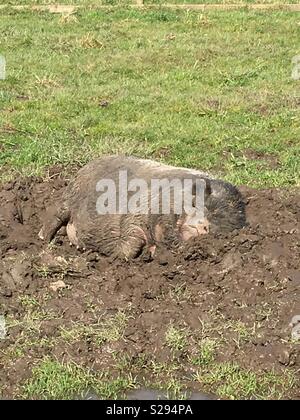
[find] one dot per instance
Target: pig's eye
(205, 228)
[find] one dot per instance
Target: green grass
(104, 331)
(190, 359)
(206, 352)
(231, 381)
(216, 1)
(109, 330)
(54, 380)
(192, 89)
(146, 2)
(176, 338)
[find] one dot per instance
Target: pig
(127, 235)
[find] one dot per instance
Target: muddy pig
(127, 235)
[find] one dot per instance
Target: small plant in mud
(44, 271)
(174, 388)
(176, 338)
(180, 293)
(29, 302)
(163, 368)
(108, 330)
(170, 385)
(243, 332)
(263, 312)
(206, 352)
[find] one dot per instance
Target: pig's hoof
(41, 234)
(152, 250)
(148, 253)
(295, 324)
(72, 234)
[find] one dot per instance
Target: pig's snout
(192, 227)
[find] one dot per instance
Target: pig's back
(109, 167)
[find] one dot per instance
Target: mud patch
(214, 307)
(267, 159)
(260, 159)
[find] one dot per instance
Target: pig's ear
(207, 190)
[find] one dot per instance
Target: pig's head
(225, 208)
(224, 211)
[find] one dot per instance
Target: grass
(190, 357)
(192, 89)
(231, 381)
(243, 333)
(189, 360)
(206, 352)
(109, 330)
(146, 2)
(54, 380)
(176, 338)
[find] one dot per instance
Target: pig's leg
(157, 237)
(132, 241)
(72, 234)
(55, 219)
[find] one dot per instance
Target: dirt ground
(241, 291)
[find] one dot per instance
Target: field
(209, 90)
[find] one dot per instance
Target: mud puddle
(151, 394)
